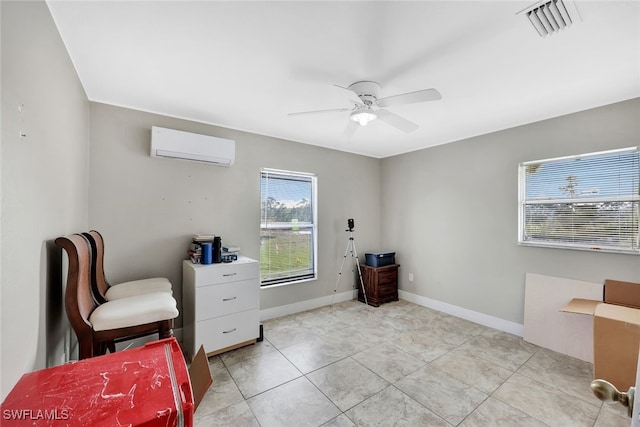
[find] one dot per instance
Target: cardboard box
(622, 293)
(616, 331)
(200, 376)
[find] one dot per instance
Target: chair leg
(100, 347)
(166, 329)
(85, 348)
(96, 348)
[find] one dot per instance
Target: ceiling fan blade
(351, 129)
(346, 88)
(396, 121)
(409, 98)
(332, 110)
(353, 95)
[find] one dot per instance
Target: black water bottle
(217, 250)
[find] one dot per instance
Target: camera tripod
(351, 248)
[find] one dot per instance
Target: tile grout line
(388, 341)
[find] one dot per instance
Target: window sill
(294, 282)
(580, 248)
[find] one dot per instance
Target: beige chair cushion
(133, 311)
(138, 287)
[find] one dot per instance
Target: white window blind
(287, 227)
(589, 202)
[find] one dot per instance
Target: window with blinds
(588, 202)
(287, 227)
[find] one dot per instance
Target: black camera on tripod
(350, 224)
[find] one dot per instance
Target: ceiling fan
(369, 107)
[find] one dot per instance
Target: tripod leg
(354, 255)
(344, 257)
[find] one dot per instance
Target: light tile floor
(399, 364)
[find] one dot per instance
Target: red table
(142, 387)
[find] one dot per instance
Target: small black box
(380, 259)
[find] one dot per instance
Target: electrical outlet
(411, 277)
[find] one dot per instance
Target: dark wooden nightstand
(380, 284)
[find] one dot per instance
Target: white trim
(564, 241)
(454, 310)
(125, 345)
(140, 341)
(278, 284)
(579, 247)
(283, 310)
(287, 172)
(473, 316)
(313, 180)
(582, 156)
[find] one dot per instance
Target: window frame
(524, 240)
(272, 283)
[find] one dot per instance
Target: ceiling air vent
(551, 16)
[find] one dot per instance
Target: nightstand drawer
(220, 300)
(387, 288)
(236, 271)
(387, 277)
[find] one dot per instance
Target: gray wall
(451, 212)
(148, 208)
(44, 185)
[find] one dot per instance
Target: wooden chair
(103, 291)
(97, 326)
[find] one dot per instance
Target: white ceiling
(246, 65)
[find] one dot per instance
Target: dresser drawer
(387, 277)
(226, 331)
(236, 271)
(387, 288)
(385, 296)
(220, 300)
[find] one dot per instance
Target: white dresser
(220, 305)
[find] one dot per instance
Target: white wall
(44, 185)
(148, 208)
(451, 211)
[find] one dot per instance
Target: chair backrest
(99, 284)
(78, 300)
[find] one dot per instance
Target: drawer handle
(228, 332)
(229, 274)
(228, 299)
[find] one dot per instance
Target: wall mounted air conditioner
(175, 144)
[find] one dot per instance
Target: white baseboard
(310, 304)
(473, 316)
(140, 341)
(454, 310)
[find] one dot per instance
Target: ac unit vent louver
(550, 17)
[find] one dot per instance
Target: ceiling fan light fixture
(363, 116)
